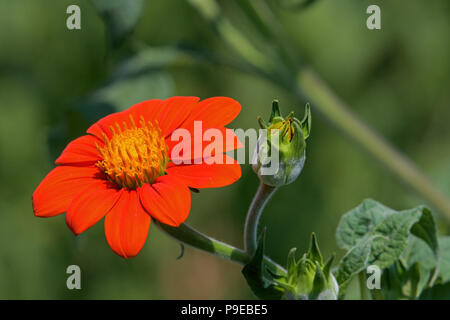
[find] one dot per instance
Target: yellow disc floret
(134, 155)
(286, 128)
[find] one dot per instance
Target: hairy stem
(260, 200)
(194, 238)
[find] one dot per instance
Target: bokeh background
(55, 82)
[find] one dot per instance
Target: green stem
(260, 200)
(362, 285)
(192, 237)
(338, 114)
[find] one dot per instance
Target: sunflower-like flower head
(123, 170)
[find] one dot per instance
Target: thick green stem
(260, 200)
(338, 114)
(190, 236)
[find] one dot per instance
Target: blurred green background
(55, 82)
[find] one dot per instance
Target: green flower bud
(280, 152)
(309, 278)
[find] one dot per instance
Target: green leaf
(425, 229)
(375, 234)
(400, 282)
(419, 253)
(414, 276)
(437, 292)
(359, 222)
(393, 233)
(354, 261)
(419, 265)
(120, 17)
(444, 262)
(257, 277)
(388, 229)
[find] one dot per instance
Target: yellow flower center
(134, 156)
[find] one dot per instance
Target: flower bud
(309, 278)
(280, 153)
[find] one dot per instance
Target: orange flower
(122, 170)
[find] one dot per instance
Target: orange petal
(214, 112)
(81, 151)
(229, 142)
(103, 125)
(208, 175)
(168, 200)
(126, 225)
(60, 186)
(149, 109)
(88, 208)
(174, 112)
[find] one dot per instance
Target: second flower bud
(280, 153)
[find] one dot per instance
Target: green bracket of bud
(275, 112)
(305, 123)
(309, 278)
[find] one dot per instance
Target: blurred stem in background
(290, 72)
(340, 116)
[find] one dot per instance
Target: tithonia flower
(122, 170)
